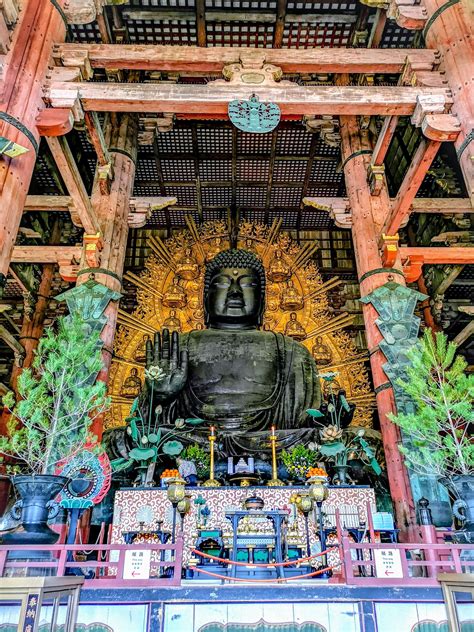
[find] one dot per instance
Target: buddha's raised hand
(166, 368)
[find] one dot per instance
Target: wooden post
(112, 212)
(32, 329)
(40, 25)
(368, 215)
(450, 29)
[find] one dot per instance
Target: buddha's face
(234, 299)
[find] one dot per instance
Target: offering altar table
(209, 506)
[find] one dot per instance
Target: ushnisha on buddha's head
(234, 291)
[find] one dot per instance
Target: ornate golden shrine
(170, 294)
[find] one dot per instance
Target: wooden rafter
(75, 186)
(45, 254)
(279, 23)
(201, 22)
(212, 60)
(424, 156)
(214, 99)
(384, 139)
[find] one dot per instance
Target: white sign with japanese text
(388, 563)
(137, 564)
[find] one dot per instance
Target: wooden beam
(442, 206)
(97, 138)
(453, 254)
(465, 334)
(212, 60)
(11, 341)
(75, 186)
(383, 141)
(424, 156)
(448, 280)
(215, 98)
(45, 254)
(48, 203)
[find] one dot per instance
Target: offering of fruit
(316, 471)
(169, 473)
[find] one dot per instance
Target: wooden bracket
(92, 246)
(76, 57)
(54, 122)
(389, 250)
(412, 268)
(337, 208)
(141, 209)
(327, 126)
(376, 178)
(68, 271)
(407, 14)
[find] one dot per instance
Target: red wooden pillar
(112, 211)
(40, 26)
(450, 29)
(368, 215)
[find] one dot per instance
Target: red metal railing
(107, 572)
(418, 562)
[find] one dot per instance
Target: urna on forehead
(234, 259)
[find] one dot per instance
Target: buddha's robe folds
(244, 382)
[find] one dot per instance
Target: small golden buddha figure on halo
(187, 267)
(194, 293)
(175, 296)
(132, 385)
(321, 352)
(291, 299)
(215, 248)
(295, 329)
(140, 353)
(172, 322)
(278, 270)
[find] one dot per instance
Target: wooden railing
(402, 564)
(108, 568)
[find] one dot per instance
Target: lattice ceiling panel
(178, 170)
(251, 196)
(396, 37)
(179, 140)
(254, 215)
(293, 142)
(289, 171)
(290, 218)
(214, 140)
(252, 5)
(219, 170)
(315, 220)
(286, 196)
(86, 33)
(166, 32)
(216, 196)
(187, 196)
(214, 214)
(310, 35)
(253, 170)
(254, 143)
(239, 34)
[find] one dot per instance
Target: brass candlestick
(275, 481)
(211, 482)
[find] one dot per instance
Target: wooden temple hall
(236, 315)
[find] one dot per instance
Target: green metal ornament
(253, 116)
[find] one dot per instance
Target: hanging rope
(272, 564)
(266, 581)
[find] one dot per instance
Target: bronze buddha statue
(231, 374)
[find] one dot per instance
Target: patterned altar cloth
(140, 509)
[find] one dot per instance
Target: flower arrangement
(200, 458)
(298, 460)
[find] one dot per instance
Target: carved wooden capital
(376, 178)
(253, 71)
(389, 250)
(92, 246)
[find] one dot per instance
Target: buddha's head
(234, 291)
